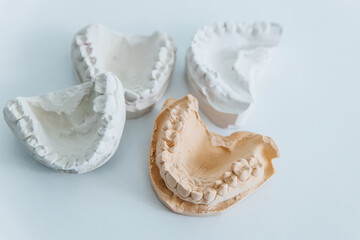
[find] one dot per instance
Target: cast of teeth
(194, 189)
(226, 95)
(89, 61)
(108, 116)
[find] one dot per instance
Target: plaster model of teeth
(196, 172)
(74, 130)
(222, 63)
(144, 64)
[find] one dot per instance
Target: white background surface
(308, 101)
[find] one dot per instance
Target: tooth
(219, 28)
(210, 194)
(104, 104)
(81, 160)
(100, 147)
(253, 162)
(32, 142)
(153, 86)
(108, 121)
(93, 60)
(223, 189)
(105, 133)
(201, 71)
(167, 145)
(91, 156)
(14, 110)
(183, 189)
(51, 157)
(211, 79)
(40, 152)
(80, 39)
(71, 162)
(177, 126)
(256, 171)
(61, 163)
(196, 196)
(182, 120)
(87, 62)
(161, 157)
(171, 180)
(105, 84)
(170, 135)
(237, 166)
(131, 96)
(230, 27)
(90, 72)
(165, 56)
(232, 181)
(217, 183)
(169, 43)
(145, 94)
(245, 174)
(84, 50)
(241, 27)
(160, 68)
(163, 170)
(25, 127)
(227, 175)
(200, 36)
(163, 146)
(167, 125)
(155, 74)
(208, 31)
(259, 28)
(78, 55)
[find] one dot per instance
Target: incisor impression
(196, 172)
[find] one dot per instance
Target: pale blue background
(308, 101)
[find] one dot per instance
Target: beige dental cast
(196, 172)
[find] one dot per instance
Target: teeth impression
(57, 128)
(222, 64)
(144, 64)
(196, 172)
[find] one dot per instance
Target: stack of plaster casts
(192, 170)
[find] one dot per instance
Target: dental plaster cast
(74, 130)
(144, 64)
(197, 172)
(222, 64)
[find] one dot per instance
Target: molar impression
(196, 172)
(144, 64)
(74, 130)
(222, 64)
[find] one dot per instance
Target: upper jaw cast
(203, 168)
(74, 130)
(143, 63)
(222, 65)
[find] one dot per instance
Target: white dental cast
(144, 64)
(222, 64)
(74, 130)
